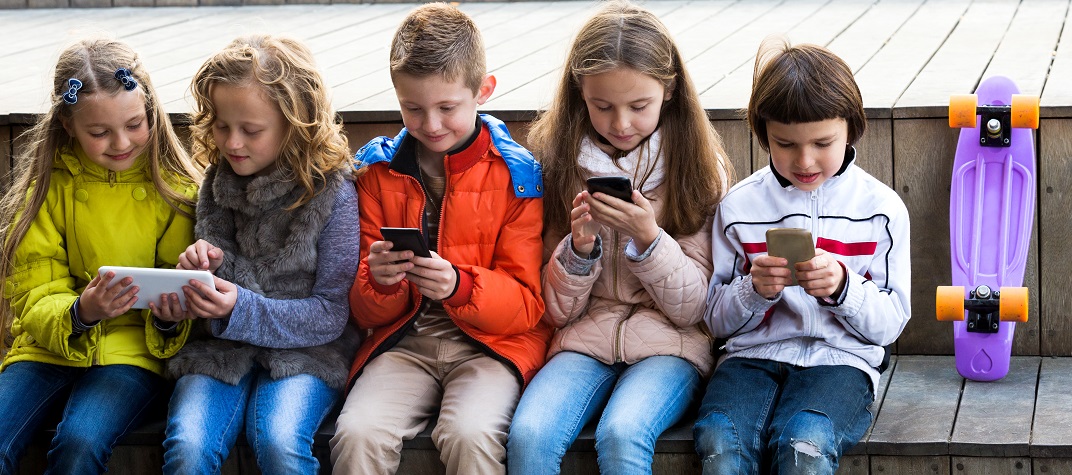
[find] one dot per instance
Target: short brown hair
(438, 39)
(802, 83)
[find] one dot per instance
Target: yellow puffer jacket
(93, 217)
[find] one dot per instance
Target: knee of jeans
(716, 435)
(810, 437)
(618, 433)
(80, 445)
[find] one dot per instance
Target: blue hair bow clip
(124, 76)
(71, 96)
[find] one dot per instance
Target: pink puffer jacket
(624, 310)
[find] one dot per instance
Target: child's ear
(487, 86)
(670, 90)
(66, 123)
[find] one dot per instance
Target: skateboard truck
(982, 305)
(995, 132)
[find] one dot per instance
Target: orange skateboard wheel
(962, 111)
(1025, 111)
(1012, 304)
(949, 303)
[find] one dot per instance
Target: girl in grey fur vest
(277, 225)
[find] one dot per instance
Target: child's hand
(102, 298)
(822, 276)
(169, 309)
(387, 267)
(769, 275)
(434, 276)
(583, 226)
(204, 302)
(201, 255)
(636, 219)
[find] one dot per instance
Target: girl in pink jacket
(626, 279)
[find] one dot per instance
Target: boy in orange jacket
(458, 333)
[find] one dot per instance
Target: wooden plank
(853, 465)
(918, 410)
(1055, 181)
(994, 418)
(991, 466)
(876, 407)
(912, 465)
(736, 141)
(1056, 98)
(820, 27)
(874, 151)
(1050, 436)
(1026, 50)
(867, 35)
(959, 63)
(1053, 466)
(5, 156)
(891, 70)
(923, 150)
(736, 51)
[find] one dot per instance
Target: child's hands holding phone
(103, 299)
(634, 217)
(822, 276)
(434, 276)
(201, 255)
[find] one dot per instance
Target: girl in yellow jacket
(103, 180)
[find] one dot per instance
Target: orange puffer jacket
(490, 229)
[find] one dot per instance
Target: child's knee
(808, 435)
(716, 434)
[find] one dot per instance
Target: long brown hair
(93, 62)
(284, 68)
(622, 35)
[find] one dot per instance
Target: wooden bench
(928, 420)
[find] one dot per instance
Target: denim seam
(576, 430)
(26, 422)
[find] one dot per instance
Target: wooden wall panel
(923, 153)
(1055, 201)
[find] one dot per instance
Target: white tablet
(154, 282)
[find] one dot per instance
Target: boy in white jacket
(802, 362)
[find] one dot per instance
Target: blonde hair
(94, 62)
(803, 83)
(314, 143)
(438, 39)
(622, 35)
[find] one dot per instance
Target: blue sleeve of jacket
(314, 320)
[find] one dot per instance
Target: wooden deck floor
(909, 55)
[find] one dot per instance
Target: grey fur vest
(269, 251)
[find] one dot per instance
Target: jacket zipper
(111, 178)
(614, 266)
(619, 334)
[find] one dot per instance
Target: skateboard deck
(991, 209)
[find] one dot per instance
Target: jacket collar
(850, 157)
(526, 173)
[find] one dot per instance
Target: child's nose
(120, 141)
(620, 122)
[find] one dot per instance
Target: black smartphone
(406, 239)
(617, 186)
(794, 244)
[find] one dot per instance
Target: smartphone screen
(617, 186)
(406, 239)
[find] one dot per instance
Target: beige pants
(400, 390)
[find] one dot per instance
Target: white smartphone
(154, 282)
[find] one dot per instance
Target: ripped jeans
(761, 416)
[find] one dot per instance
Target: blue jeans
(280, 416)
(764, 416)
(638, 403)
(104, 403)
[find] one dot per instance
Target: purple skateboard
(991, 207)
